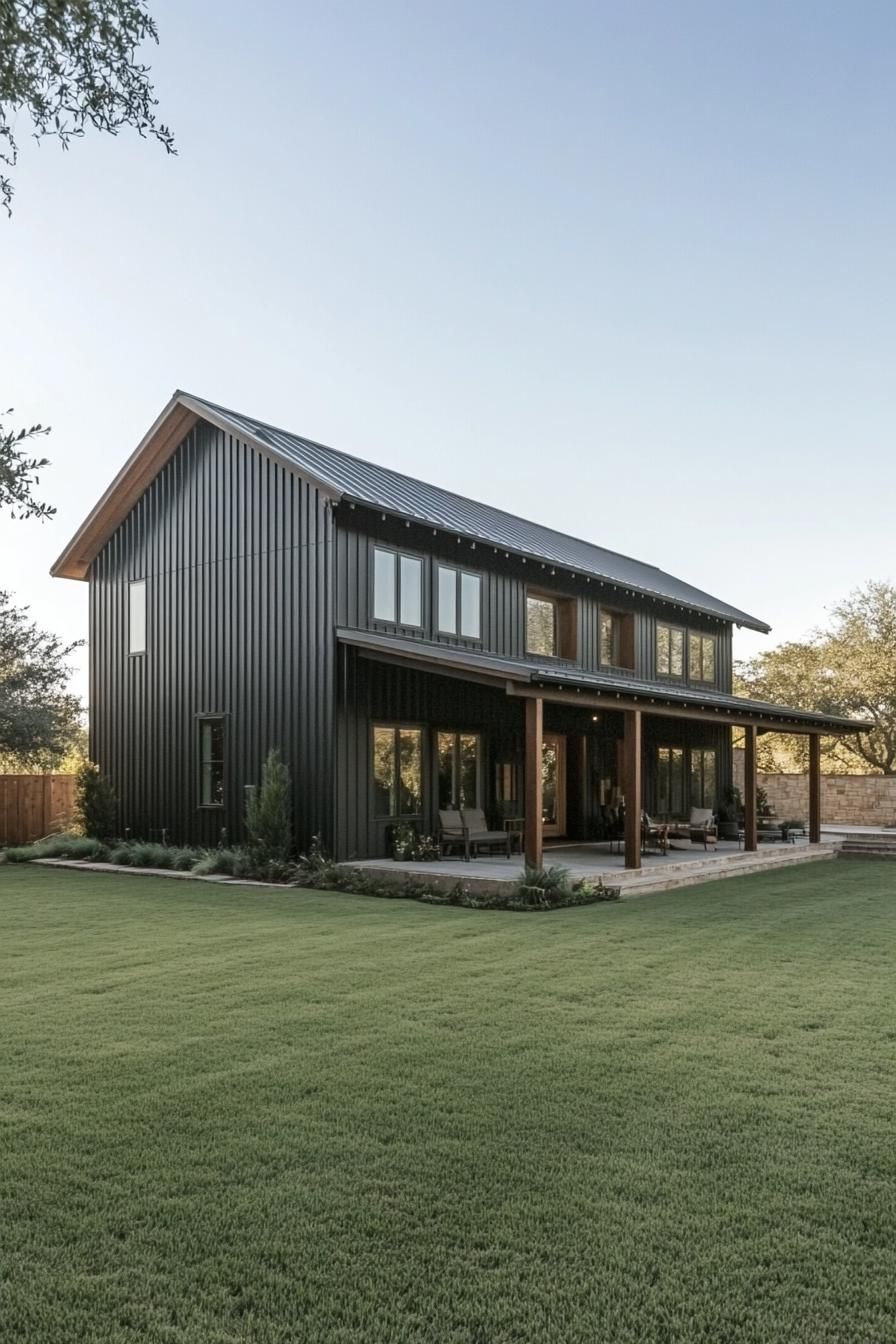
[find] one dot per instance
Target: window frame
(456, 734)
(395, 729)
(536, 595)
(201, 721)
(701, 638)
(696, 754)
(624, 622)
(135, 585)
(671, 749)
(460, 573)
(673, 630)
(398, 554)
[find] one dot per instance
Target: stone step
(652, 880)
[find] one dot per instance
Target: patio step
(671, 876)
(869, 846)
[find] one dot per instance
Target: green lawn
(228, 1114)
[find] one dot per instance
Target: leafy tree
(848, 669)
(269, 810)
(96, 807)
(70, 64)
(39, 717)
(18, 473)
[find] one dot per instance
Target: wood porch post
(533, 782)
(750, 837)
(814, 789)
(631, 787)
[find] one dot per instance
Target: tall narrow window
(460, 603)
(458, 760)
(384, 584)
(397, 587)
(137, 616)
(211, 762)
(702, 657)
(670, 781)
(703, 777)
(669, 651)
(397, 771)
(541, 625)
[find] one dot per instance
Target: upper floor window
(541, 625)
(137, 616)
(551, 625)
(669, 651)
(211, 762)
(702, 657)
(460, 603)
(617, 646)
(397, 587)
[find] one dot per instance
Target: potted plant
(730, 812)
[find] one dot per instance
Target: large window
(617, 639)
(397, 587)
(702, 657)
(703, 777)
(458, 758)
(541, 625)
(137, 616)
(669, 651)
(211, 762)
(460, 603)
(397, 771)
(670, 781)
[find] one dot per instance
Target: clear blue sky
(625, 268)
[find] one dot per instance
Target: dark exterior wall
(237, 556)
(505, 581)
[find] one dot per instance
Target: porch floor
(658, 872)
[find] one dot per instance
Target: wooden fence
(32, 806)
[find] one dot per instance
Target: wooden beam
(655, 705)
(631, 787)
(751, 839)
(533, 782)
(814, 789)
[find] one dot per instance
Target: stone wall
(854, 800)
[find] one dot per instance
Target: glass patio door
(553, 784)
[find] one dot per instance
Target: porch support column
(814, 789)
(533, 782)
(631, 786)
(750, 837)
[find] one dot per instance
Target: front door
(553, 783)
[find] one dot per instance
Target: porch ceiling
(568, 685)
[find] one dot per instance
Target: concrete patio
(597, 862)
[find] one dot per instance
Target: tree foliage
(848, 669)
(269, 810)
(96, 807)
(39, 718)
(19, 472)
(72, 64)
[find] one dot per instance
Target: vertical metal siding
(236, 552)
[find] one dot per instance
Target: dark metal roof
(356, 481)
(735, 709)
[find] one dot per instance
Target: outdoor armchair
(703, 826)
(453, 833)
(478, 832)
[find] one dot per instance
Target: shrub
(269, 810)
(407, 844)
(546, 879)
(215, 861)
(58, 847)
(96, 807)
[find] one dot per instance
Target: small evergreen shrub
(58, 847)
(96, 807)
(269, 811)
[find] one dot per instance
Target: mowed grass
(228, 1114)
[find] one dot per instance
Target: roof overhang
(571, 687)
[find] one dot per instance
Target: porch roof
(568, 684)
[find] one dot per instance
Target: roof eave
(735, 617)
